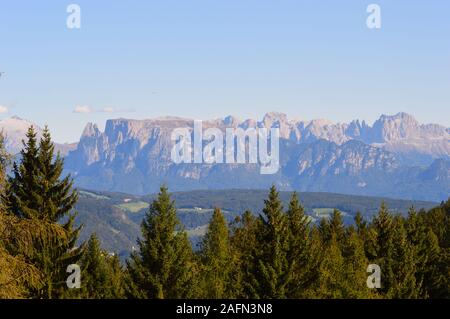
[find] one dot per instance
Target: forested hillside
(115, 217)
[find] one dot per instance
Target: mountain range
(396, 156)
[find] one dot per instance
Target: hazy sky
(210, 58)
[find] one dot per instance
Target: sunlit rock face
(134, 156)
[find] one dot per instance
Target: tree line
(279, 253)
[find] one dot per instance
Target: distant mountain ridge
(400, 133)
(396, 156)
(15, 129)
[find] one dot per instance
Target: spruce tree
(216, 257)
(382, 247)
(316, 257)
(19, 277)
(101, 274)
(360, 224)
(37, 192)
(324, 230)
(272, 273)
(336, 225)
(356, 263)
(417, 236)
(299, 249)
(163, 266)
(58, 201)
(116, 277)
(436, 278)
(58, 198)
(331, 271)
(365, 234)
(331, 281)
(244, 246)
(404, 261)
(395, 256)
(25, 198)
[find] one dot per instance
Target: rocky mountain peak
(91, 130)
(231, 121)
(396, 127)
(274, 117)
(401, 116)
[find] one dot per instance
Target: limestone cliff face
(134, 156)
(396, 156)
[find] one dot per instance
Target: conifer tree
(395, 255)
(418, 237)
(404, 266)
(19, 277)
(116, 277)
(244, 245)
(331, 281)
(101, 274)
(436, 278)
(356, 263)
(324, 230)
(58, 198)
(273, 274)
(316, 257)
(331, 276)
(365, 234)
(163, 266)
(216, 257)
(360, 223)
(37, 192)
(382, 247)
(300, 257)
(25, 185)
(336, 225)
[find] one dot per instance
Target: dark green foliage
(281, 255)
(217, 260)
(301, 257)
(25, 186)
(163, 266)
(102, 274)
(356, 264)
(436, 265)
(272, 272)
(391, 250)
(37, 192)
(118, 229)
(244, 242)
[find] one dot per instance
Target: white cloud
(108, 110)
(3, 109)
(84, 109)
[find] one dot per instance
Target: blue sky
(211, 58)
